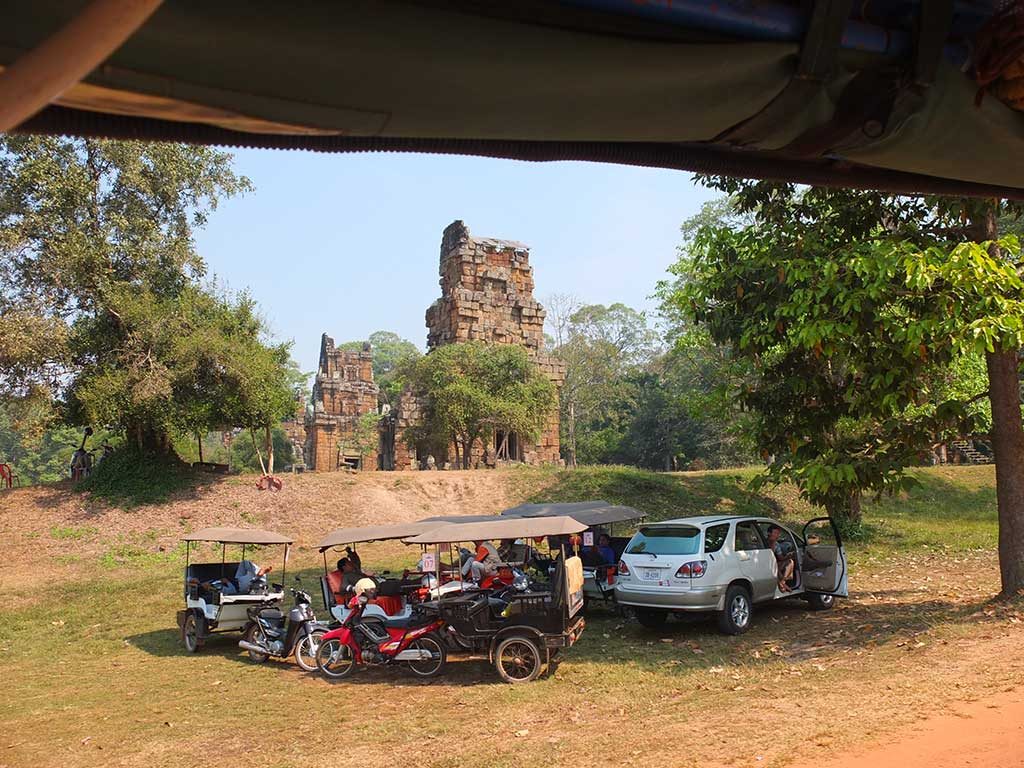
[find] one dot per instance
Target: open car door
(824, 560)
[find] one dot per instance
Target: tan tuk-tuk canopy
(907, 97)
(509, 528)
(590, 513)
(237, 536)
(367, 533)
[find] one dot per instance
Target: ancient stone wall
(343, 392)
(487, 295)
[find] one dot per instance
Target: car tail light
(692, 570)
(623, 568)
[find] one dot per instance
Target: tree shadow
(785, 630)
(661, 496)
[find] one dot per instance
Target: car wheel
(518, 660)
(734, 619)
(652, 618)
(190, 633)
(819, 602)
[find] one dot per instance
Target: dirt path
(988, 732)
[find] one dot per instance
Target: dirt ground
(983, 734)
(919, 667)
(42, 526)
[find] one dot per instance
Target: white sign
(588, 538)
(428, 562)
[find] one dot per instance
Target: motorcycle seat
(271, 614)
(407, 622)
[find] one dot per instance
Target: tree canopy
(473, 389)
(858, 318)
(106, 313)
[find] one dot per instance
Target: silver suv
(725, 564)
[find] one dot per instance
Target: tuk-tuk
(600, 517)
(523, 628)
(394, 596)
(215, 600)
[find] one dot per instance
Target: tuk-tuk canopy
(461, 518)
(367, 533)
(590, 513)
(918, 97)
(508, 528)
(237, 536)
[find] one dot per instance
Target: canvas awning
(509, 528)
(757, 90)
(590, 513)
(364, 534)
(237, 536)
(461, 518)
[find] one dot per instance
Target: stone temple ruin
(486, 295)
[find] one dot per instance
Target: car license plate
(652, 574)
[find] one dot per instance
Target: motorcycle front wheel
(334, 659)
(306, 648)
(438, 656)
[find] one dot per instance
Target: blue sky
(349, 244)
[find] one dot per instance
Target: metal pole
(59, 62)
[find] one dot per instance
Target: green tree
(474, 389)
(112, 320)
(600, 345)
(851, 308)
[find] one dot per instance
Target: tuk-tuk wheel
(518, 659)
(190, 633)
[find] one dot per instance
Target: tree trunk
(467, 453)
(269, 443)
(846, 510)
(1007, 441)
(150, 439)
(572, 435)
(1008, 447)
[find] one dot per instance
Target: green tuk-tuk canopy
(711, 87)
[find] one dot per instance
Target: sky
(350, 244)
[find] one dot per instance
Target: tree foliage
(853, 311)
(474, 389)
(105, 311)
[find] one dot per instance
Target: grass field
(93, 670)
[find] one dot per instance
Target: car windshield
(665, 540)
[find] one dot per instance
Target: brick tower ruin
(343, 392)
(486, 295)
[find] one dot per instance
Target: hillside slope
(54, 527)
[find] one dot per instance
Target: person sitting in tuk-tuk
(245, 574)
(484, 562)
(602, 554)
(343, 580)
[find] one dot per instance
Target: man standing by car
(784, 556)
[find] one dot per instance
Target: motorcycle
(271, 633)
(377, 640)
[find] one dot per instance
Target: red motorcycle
(412, 640)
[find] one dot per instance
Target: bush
(131, 478)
